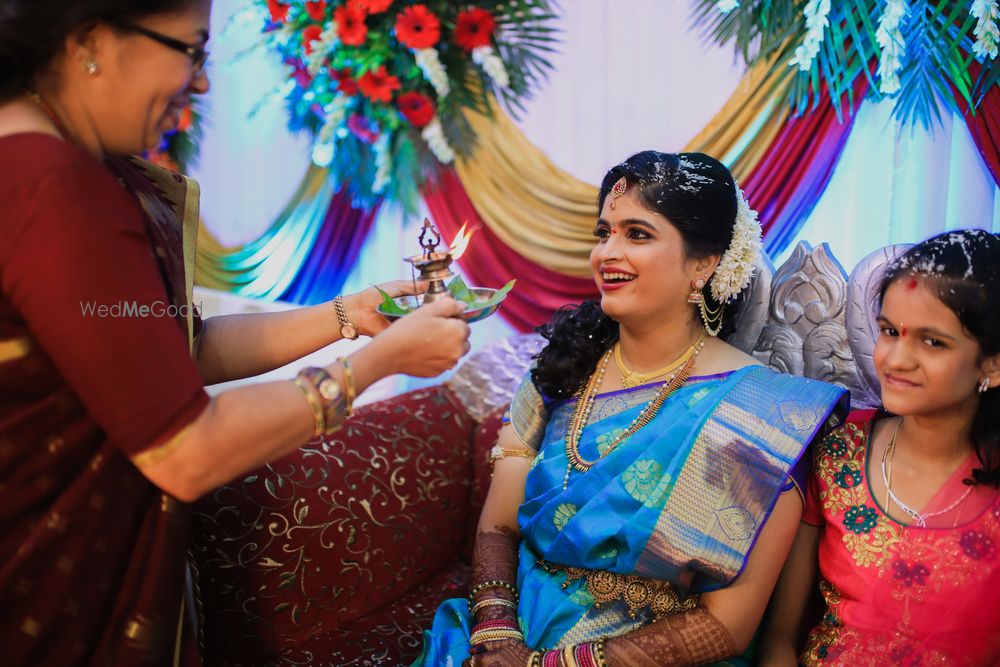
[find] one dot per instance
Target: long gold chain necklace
(581, 414)
(632, 378)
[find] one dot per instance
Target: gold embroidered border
(17, 348)
(638, 593)
(156, 454)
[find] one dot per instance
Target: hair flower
(738, 263)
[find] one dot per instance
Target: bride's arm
(724, 621)
(495, 554)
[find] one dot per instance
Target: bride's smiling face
(640, 263)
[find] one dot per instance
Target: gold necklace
(632, 379)
(581, 414)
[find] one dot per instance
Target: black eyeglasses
(197, 54)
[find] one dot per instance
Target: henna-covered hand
(507, 653)
(694, 637)
(495, 558)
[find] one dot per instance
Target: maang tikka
(617, 190)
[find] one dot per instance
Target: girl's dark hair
(963, 269)
(697, 194)
(34, 32)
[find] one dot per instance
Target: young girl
(903, 506)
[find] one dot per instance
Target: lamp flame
(461, 243)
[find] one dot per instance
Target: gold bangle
(568, 658)
(312, 398)
(493, 583)
(492, 602)
(499, 452)
(599, 657)
(329, 394)
(350, 389)
(494, 636)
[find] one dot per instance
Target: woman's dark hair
(696, 193)
(34, 32)
(963, 270)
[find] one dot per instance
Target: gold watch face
(348, 330)
(329, 389)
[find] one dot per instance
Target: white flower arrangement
(987, 34)
(433, 134)
(325, 147)
(890, 38)
(327, 42)
(383, 164)
(726, 6)
(738, 263)
(817, 18)
(492, 64)
(430, 64)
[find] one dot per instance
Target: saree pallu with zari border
(672, 512)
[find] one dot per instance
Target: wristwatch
(347, 328)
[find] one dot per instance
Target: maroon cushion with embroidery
(337, 529)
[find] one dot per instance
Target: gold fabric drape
(547, 215)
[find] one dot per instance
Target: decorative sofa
(340, 553)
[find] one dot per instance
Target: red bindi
(911, 283)
(614, 230)
(902, 331)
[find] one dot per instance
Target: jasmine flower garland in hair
(740, 259)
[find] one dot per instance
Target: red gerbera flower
(373, 6)
(474, 28)
(417, 27)
(416, 108)
(351, 26)
(279, 10)
(379, 85)
(316, 10)
(311, 34)
(345, 82)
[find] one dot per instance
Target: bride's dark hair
(696, 193)
(963, 269)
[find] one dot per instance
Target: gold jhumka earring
(617, 190)
(711, 317)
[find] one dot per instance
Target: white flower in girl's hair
(740, 259)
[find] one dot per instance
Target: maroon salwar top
(92, 554)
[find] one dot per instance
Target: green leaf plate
(482, 301)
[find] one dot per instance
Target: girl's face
(926, 362)
(640, 264)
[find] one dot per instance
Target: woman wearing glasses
(106, 432)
